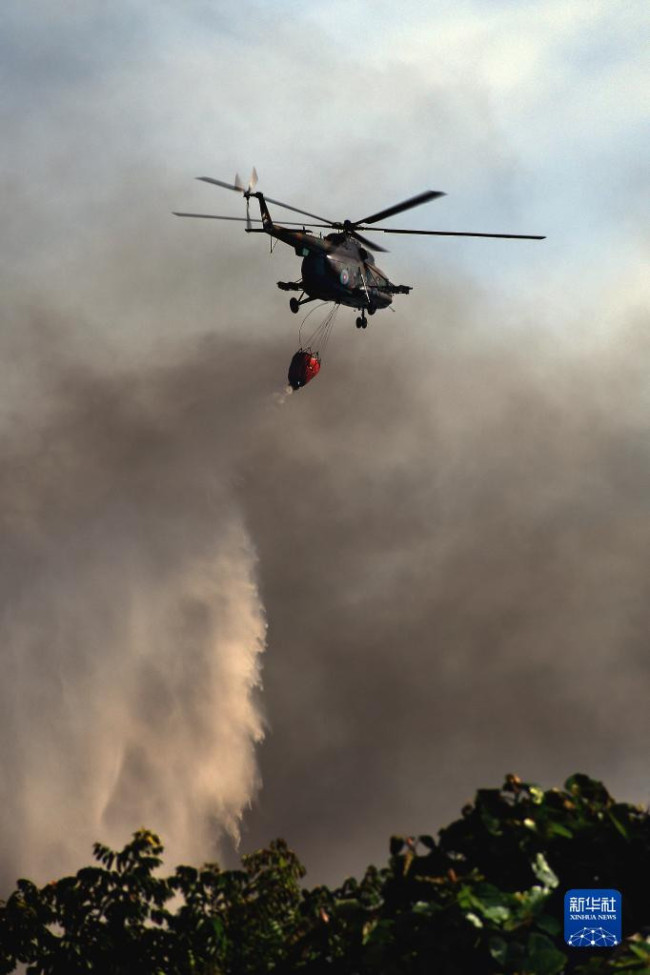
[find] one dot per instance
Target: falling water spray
(131, 625)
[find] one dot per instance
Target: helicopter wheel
(294, 305)
(360, 323)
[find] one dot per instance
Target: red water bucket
(303, 367)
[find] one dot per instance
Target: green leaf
(498, 913)
(381, 933)
(549, 924)
(486, 901)
(542, 957)
(219, 929)
(643, 953)
(544, 873)
(498, 948)
(590, 789)
(556, 829)
(511, 955)
(619, 826)
(424, 907)
(348, 908)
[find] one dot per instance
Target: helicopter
(340, 266)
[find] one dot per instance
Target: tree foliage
(485, 897)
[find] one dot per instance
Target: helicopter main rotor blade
(415, 201)
(370, 244)
(239, 188)
(286, 206)
(214, 216)
(452, 233)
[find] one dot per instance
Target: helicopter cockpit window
(375, 279)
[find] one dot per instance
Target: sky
(229, 613)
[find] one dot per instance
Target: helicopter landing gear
(295, 303)
(361, 320)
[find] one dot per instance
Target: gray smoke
(131, 625)
(454, 556)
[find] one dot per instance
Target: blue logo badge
(592, 918)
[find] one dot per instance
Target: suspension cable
(320, 336)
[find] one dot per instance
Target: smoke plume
(131, 621)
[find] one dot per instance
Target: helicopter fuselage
(344, 273)
(334, 267)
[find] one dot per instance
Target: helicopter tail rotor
(237, 187)
(252, 183)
